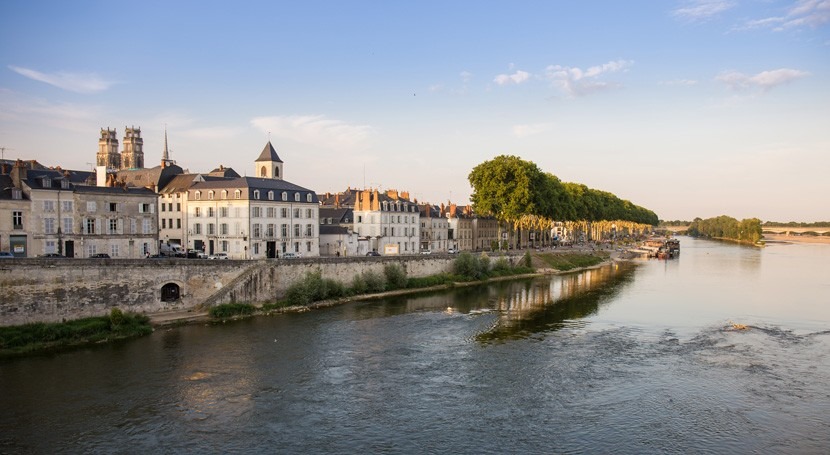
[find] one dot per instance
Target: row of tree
(518, 192)
(726, 227)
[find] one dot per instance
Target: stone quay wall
(54, 290)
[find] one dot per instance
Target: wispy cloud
(701, 10)
(803, 13)
(578, 82)
(679, 82)
(765, 80)
(316, 130)
(65, 116)
(73, 82)
(212, 133)
(523, 131)
(516, 78)
(466, 76)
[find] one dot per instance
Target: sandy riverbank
(781, 238)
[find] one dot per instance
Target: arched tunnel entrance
(170, 292)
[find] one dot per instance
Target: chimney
(18, 174)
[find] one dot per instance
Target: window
(360, 218)
(284, 212)
(113, 206)
(178, 223)
(308, 213)
(48, 206)
(48, 225)
(284, 196)
(223, 212)
(269, 232)
(270, 195)
(210, 212)
(67, 226)
(146, 226)
(308, 230)
(211, 229)
(224, 246)
(178, 206)
(223, 229)
(296, 230)
(17, 193)
(133, 226)
(17, 219)
(210, 195)
(284, 230)
(256, 212)
(65, 184)
(237, 194)
(90, 226)
(308, 197)
(164, 222)
(297, 213)
(224, 194)
(49, 246)
(145, 208)
(162, 207)
(256, 194)
(197, 212)
(256, 248)
(308, 246)
(90, 249)
(114, 250)
(169, 206)
(198, 195)
(296, 247)
(197, 228)
(257, 230)
(296, 197)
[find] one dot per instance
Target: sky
(690, 108)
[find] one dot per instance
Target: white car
(426, 252)
(290, 255)
(218, 256)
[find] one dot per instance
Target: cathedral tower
(108, 156)
(133, 155)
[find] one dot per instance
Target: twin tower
(132, 157)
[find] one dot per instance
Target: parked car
(101, 256)
(218, 256)
(290, 255)
(6, 255)
(426, 252)
(373, 253)
(452, 251)
(50, 255)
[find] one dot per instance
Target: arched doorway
(170, 292)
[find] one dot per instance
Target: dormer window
(210, 195)
(224, 194)
(237, 194)
(198, 195)
(65, 184)
(17, 193)
(296, 197)
(270, 195)
(284, 196)
(308, 197)
(46, 182)
(256, 194)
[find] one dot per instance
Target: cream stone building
(434, 229)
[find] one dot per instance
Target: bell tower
(269, 164)
(108, 156)
(133, 155)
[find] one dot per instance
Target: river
(632, 358)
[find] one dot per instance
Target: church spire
(165, 156)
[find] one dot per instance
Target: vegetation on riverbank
(727, 228)
(40, 336)
(570, 261)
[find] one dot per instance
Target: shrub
(501, 267)
(374, 281)
(429, 281)
(312, 288)
(395, 276)
(116, 317)
(227, 310)
(358, 285)
(527, 261)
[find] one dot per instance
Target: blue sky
(689, 108)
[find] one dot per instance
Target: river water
(635, 357)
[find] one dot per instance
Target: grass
(570, 261)
(228, 310)
(42, 336)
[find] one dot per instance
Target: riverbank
(569, 258)
(784, 238)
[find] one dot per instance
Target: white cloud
(523, 131)
(73, 82)
(699, 10)
(516, 78)
(465, 76)
(316, 130)
(812, 13)
(33, 111)
(679, 82)
(577, 82)
(765, 80)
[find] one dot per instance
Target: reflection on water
(548, 304)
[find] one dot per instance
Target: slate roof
(269, 154)
(157, 177)
(329, 229)
(255, 183)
